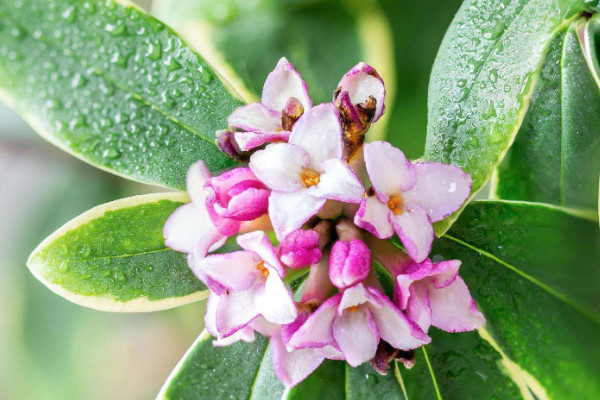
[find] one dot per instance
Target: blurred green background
(52, 349)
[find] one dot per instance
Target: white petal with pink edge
(279, 166)
(319, 133)
(389, 170)
(235, 271)
(251, 140)
(259, 243)
(289, 211)
(361, 82)
(440, 189)
(415, 231)
(337, 182)
(374, 217)
(356, 334)
(292, 367)
(255, 117)
(274, 301)
(453, 308)
(281, 84)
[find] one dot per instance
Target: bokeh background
(52, 349)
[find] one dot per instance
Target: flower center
(309, 177)
(263, 270)
(353, 309)
(395, 204)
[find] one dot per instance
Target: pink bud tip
(300, 249)
(349, 263)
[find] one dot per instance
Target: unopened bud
(300, 249)
(349, 263)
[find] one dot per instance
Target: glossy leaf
(113, 258)
(556, 155)
(323, 39)
(590, 38)
(533, 270)
(483, 78)
(112, 86)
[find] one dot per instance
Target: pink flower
(406, 198)
(300, 249)
(365, 90)
(349, 263)
(307, 171)
(434, 294)
(354, 322)
(246, 284)
(284, 100)
(217, 208)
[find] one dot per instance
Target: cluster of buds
(316, 200)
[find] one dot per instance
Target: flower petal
(258, 242)
(453, 309)
(357, 336)
(363, 81)
(197, 178)
(250, 140)
(338, 182)
(246, 206)
(374, 217)
(274, 301)
(289, 211)
(355, 296)
(393, 325)
(319, 133)
(349, 263)
(235, 271)
(292, 367)
(317, 331)
(234, 311)
(419, 307)
(389, 170)
(189, 229)
(444, 273)
(440, 189)
(283, 83)
(279, 166)
(415, 231)
(255, 117)
(300, 249)
(225, 226)
(246, 334)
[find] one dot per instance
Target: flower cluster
(331, 203)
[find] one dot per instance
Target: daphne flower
(354, 322)
(366, 92)
(248, 284)
(307, 171)
(284, 100)
(434, 294)
(217, 208)
(406, 198)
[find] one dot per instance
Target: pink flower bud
(349, 263)
(300, 249)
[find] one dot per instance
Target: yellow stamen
(395, 204)
(261, 267)
(309, 177)
(353, 309)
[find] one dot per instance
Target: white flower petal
(289, 211)
(319, 133)
(283, 83)
(389, 170)
(279, 166)
(338, 182)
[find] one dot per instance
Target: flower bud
(349, 263)
(300, 249)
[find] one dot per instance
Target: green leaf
(556, 155)
(590, 38)
(533, 271)
(322, 38)
(112, 86)
(113, 258)
(483, 78)
(206, 371)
